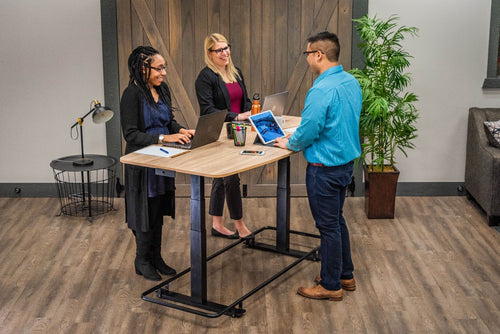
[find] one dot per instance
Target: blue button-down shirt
(329, 130)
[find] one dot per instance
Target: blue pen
(164, 150)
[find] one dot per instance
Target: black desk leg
(283, 218)
(283, 206)
(198, 241)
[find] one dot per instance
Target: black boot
(143, 265)
(156, 258)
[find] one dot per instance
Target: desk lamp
(100, 114)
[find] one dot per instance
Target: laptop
(276, 103)
(207, 131)
(267, 128)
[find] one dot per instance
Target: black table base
(197, 302)
(161, 294)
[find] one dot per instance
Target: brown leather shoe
(347, 284)
(318, 292)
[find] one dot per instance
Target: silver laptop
(207, 131)
(276, 103)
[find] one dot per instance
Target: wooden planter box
(380, 193)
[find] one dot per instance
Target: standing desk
(216, 160)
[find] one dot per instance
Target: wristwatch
(160, 138)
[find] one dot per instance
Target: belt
(316, 164)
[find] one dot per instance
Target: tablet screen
(266, 126)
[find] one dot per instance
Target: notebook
(207, 131)
(267, 127)
(161, 152)
(276, 103)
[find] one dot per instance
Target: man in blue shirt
(329, 138)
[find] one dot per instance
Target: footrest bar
(216, 309)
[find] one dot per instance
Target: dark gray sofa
(482, 164)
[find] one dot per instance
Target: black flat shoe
(249, 237)
(216, 233)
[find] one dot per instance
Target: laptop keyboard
(186, 146)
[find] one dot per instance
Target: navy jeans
(326, 189)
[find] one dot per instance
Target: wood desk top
(218, 159)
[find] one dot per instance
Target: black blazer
(213, 95)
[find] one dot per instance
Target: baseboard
(404, 189)
(431, 189)
(28, 190)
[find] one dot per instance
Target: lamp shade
(101, 114)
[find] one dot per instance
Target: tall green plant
(387, 121)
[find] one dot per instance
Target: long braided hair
(139, 63)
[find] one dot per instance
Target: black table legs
(283, 206)
(283, 218)
(197, 303)
(198, 239)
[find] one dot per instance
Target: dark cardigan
(132, 118)
(136, 182)
(213, 95)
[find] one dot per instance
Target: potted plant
(388, 116)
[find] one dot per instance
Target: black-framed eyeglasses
(220, 50)
(306, 53)
(159, 69)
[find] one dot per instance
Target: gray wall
(52, 68)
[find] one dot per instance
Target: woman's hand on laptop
(187, 132)
(243, 116)
(178, 138)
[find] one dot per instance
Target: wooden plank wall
(267, 38)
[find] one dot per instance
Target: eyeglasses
(219, 51)
(159, 69)
(306, 53)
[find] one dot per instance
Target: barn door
(267, 39)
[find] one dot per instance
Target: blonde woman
(220, 86)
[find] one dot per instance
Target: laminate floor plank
(434, 268)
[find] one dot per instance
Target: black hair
(139, 63)
(332, 49)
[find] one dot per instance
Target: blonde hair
(231, 71)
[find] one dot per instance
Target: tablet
(266, 126)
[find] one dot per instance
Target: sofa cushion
(493, 132)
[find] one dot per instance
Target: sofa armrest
(482, 167)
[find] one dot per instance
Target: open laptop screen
(276, 103)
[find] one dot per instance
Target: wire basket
(85, 192)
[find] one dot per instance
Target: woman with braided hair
(146, 119)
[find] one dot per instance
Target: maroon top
(236, 95)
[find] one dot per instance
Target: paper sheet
(161, 151)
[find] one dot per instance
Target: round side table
(85, 190)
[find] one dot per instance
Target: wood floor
(435, 268)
